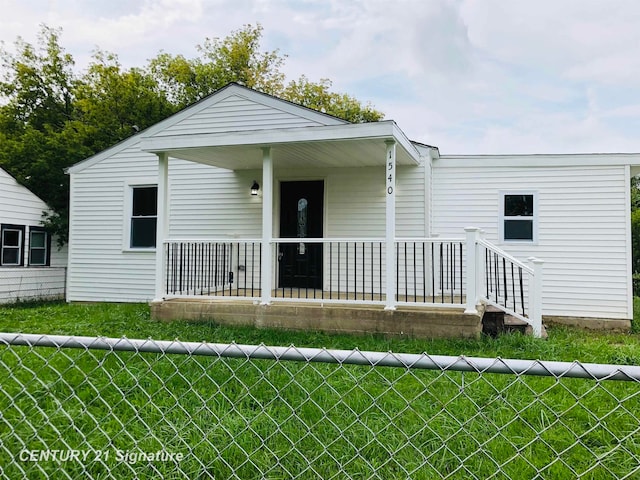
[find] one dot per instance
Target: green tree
(37, 83)
(36, 86)
(235, 58)
(52, 117)
(238, 58)
(318, 96)
(114, 104)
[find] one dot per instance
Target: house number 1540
(390, 178)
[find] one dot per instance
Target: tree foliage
(37, 83)
(236, 58)
(52, 116)
(318, 96)
(115, 104)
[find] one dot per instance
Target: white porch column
(473, 234)
(390, 175)
(267, 225)
(162, 225)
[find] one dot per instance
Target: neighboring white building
(353, 192)
(31, 266)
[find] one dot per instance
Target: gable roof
(232, 108)
(10, 187)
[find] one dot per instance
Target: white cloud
(472, 76)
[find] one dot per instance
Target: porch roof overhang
(351, 145)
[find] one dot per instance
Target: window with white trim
(39, 247)
(144, 216)
(11, 245)
(518, 216)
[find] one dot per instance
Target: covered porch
(297, 267)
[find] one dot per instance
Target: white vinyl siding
(100, 269)
(355, 203)
(582, 225)
(204, 202)
(410, 202)
(208, 202)
(20, 207)
(236, 113)
(20, 283)
(212, 203)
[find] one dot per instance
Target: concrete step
(496, 322)
(515, 325)
(493, 321)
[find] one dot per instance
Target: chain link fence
(99, 408)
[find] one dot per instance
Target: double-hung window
(144, 216)
(11, 245)
(519, 216)
(39, 247)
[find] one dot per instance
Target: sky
(468, 76)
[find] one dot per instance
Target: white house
(251, 201)
(31, 266)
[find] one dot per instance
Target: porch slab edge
(589, 323)
(347, 319)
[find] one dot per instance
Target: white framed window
(142, 217)
(11, 245)
(519, 216)
(39, 247)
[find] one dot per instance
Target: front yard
(133, 321)
(240, 418)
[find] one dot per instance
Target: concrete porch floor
(417, 322)
(320, 295)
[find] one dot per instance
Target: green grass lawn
(133, 321)
(260, 419)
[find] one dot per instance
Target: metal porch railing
(449, 272)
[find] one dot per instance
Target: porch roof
(348, 145)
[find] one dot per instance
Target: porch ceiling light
(254, 188)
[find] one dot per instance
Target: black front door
(301, 216)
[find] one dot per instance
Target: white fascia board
(537, 160)
(109, 152)
(406, 144)
(385, 130)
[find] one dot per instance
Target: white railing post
(473, 234)
(535, 297)
(481, 266)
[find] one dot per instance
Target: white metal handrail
(505, 255)
(489, 291)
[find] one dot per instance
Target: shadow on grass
(24, 304)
